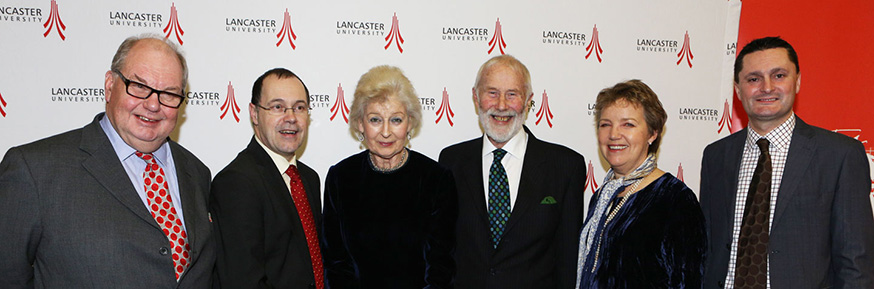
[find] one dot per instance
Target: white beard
(501, 134)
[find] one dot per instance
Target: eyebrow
(172, 89)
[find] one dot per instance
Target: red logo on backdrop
(286, 32)
(2, 105)
(590, 178)
(55, 22)
(230, 104)
(497, 38)
(680, 173)
(544, 111)
(394, 34)
(173, 25)
(686, 52)
(594, 45)
(725, 121)
(340, 105)
(445, 109)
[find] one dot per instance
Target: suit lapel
(193, 205)
(277, 190)
(105, 167)
(733, 156)
(472, 170)
(797, 161)
(526, 194)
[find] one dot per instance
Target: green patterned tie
(499, 198)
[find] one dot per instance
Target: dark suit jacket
(822, 235)
(540, 243)
(69, 209)
(258, 230)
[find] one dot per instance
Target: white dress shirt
(512, 163)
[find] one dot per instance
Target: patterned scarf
(595, 223)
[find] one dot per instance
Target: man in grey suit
(114, 204)
(786, 203)
(520, 199)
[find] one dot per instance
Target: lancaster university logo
(497, 38)
(686, 52)
(544, 111)
(55, 22)
(340, 105)
(286, 32)
(395, 34)
(230, 104)
(590, 179)
(173, 25)
(728, 121)
(2, 105)
(594, 45)
(680, 172)
(445, 109)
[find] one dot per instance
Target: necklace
(612, 214)
(391, 169)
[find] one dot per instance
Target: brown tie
(299, 196)
(752, 246)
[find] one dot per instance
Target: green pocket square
(548, 200)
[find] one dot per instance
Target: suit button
(493, 272)
(775, 252)
(164, 251)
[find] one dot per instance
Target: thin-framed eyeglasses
(142, 91)
(299, 108)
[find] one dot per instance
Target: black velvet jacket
(389, 230)
(656, 240)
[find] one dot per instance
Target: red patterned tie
(161, 206)
(299, 196)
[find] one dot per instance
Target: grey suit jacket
(822, 235)
(540, 243)
(72, 219)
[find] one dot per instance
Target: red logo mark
(2, 105)
(725, 121)
(340, 105)
(230, 104)
(680, 173)
(544, 111)
(394, 34)
(55, 22)
(594, 45)
(286, 31)
(173, 25)
(590, 178)
(445, 109)
(686, 52)
(497, 38)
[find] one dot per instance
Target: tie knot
(499, 154)
(763, 145)
(292, 171)
(146, 157)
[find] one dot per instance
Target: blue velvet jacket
(656, 240)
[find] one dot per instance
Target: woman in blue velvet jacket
(644, 228)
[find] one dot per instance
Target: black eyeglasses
(299, 108)
(142, 91)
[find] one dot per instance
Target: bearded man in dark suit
(520, 199)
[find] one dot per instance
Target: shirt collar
(278, 160)
(514, 147)
(124, 151)
(779, 137)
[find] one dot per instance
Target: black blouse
(389, 230)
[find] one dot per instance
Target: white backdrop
(54, 56)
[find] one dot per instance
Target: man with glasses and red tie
(115, 204)
(266, 202)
